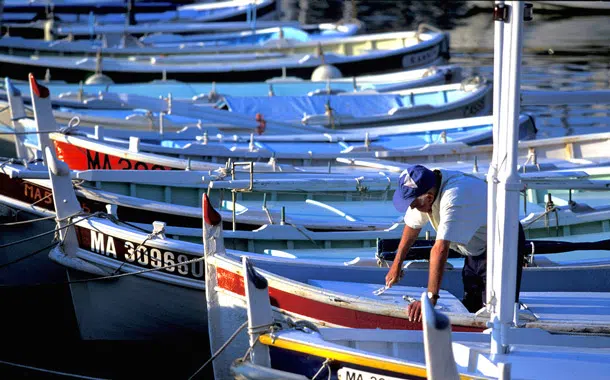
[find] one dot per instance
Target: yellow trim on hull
(361, 360)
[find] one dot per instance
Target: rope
(27, 256)
(139, 254)
(9, 161)
(42, 199)
(110, 277)
(48, 232)
(324, 365)
(304, 234)
(258, 330)
(114, 276)
(27, 221)
(24, 133)
(231, 338)
(553, 209)
(47, 371)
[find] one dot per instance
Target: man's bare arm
(438, 258)
(409, 235)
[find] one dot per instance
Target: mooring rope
(109, 277)
(48, 371)
(542, 215)
(324, 365)
(28, 255)
(49, 232)
(27, 221)
(222, 348)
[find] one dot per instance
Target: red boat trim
(322, 311)
(78, 158)
(40, 90)
(210, 215)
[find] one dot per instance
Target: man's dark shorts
(474, 276)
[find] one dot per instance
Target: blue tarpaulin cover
(295, 107)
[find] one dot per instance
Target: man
(455, 203)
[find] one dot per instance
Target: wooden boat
(281, 212)
(173, 270)
(391, 51)
(507, 350)
(316, 301)
(582, 148)
(119, 13)
(302, 351)
(176, 31)
(324, 150)
(393, 81)
(85, 29)
(250, 34)
(425, 38)
(453, 101)
(256, 36)
(307, 208)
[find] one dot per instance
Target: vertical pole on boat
(233, 198)
(253, 7)
(91, 25)
(17, 112)
(508, 187)
(131, 12)
(492, 172)
(1, 12)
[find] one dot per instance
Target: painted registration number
(354, 374)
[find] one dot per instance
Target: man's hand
(393, 276)
(414, 311)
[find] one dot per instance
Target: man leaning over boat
(455, 203)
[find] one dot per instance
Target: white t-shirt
(459, 213)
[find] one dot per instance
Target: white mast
(503, 282)
(493, 166)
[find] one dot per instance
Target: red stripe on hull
(322, 311)
(78, 158)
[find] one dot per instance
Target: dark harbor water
(563, 51)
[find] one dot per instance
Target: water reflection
(378, 15)
(562, 51)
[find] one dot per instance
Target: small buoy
(99, 79)
(324, 72)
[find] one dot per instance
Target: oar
(386, 249)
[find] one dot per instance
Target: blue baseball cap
(413, 182)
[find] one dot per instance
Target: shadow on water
(37, 324)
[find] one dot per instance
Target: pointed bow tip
(10, 87)
(40, 90)
(210, 215)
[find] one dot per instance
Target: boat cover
(296, 107)
(356, 105)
